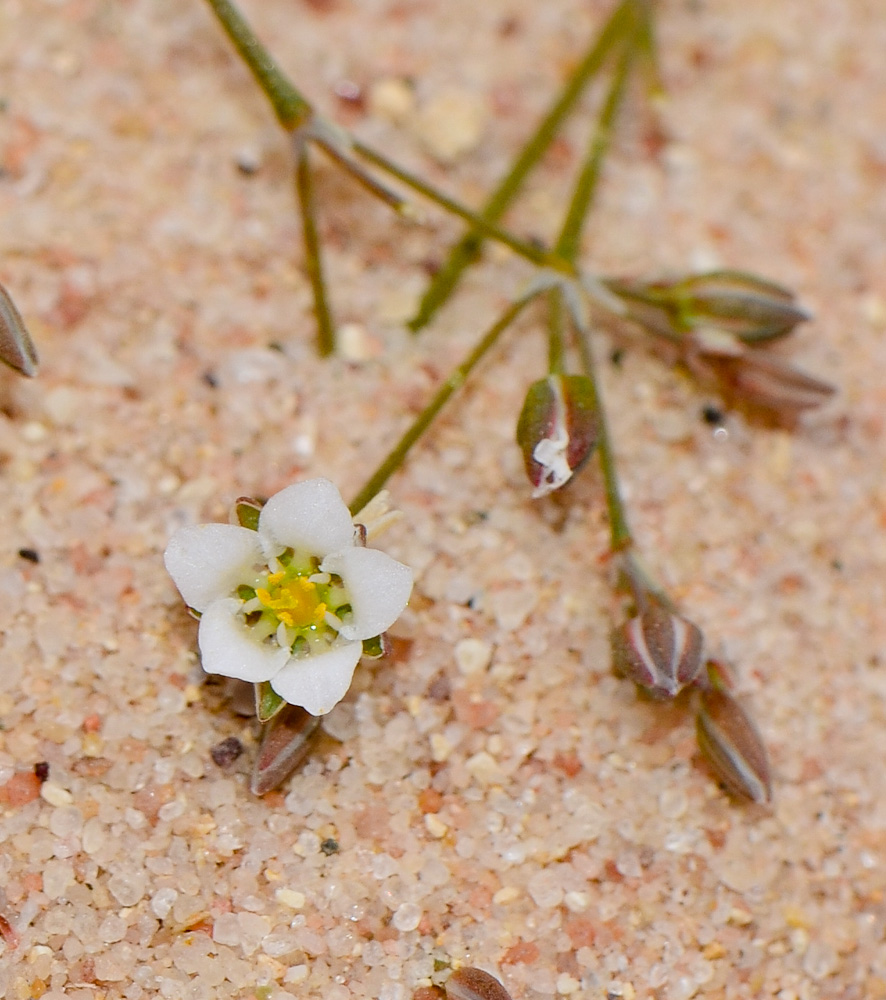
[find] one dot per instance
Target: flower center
(293, 599)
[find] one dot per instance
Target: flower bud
(286, 742)
(658, 650)
(474, 984)
(16, 347)
(760, 379)
(732, 746)
(745, 305)
(557, 430)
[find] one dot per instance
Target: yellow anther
(294, 601)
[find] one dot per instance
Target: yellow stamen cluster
(294, 600)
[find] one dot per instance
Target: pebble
(292, 898)
(407, 917)
(473, 656)
(55, 795)
(450, 125)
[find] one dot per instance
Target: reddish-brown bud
(756, 377)
(557, 430)
(732, 745)
(286, 742)
(16, 347)
(658, 650)
(474, 984)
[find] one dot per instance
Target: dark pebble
(225, 753)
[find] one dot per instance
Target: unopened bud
(751, 307)
(286, 743)
(732, 745)
(557, 430)
(746, 305)
(474, 984)
(761, 379)
(16, 347)
(658, 650)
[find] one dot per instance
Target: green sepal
(246, 512)
(267, 702)
(376, 647)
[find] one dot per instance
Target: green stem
(391, 198)
(568, 244)
(304, 186)
(556, 332)
(454, 382)
(530, 252)
(619, 529)
(466, 251)
(291, 109)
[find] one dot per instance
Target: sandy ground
(493, 796)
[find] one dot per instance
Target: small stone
(290, 897)
(473, 656)
(407, 917)
(57, 876)
(225, 753)
(506, 895)
(392, 99)
(41, 770)
(577, 902)
(441, 748)
(161, 902)
(566, 984)
(483, 767)
(329, 846)
(435, 826)
(450, 124)
(55, 795)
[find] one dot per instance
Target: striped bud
(16, 347)
(557, 430)
(286, 742)
(732, 745)
(658, 650)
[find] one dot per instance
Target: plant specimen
(718, 324)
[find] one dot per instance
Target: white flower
(292, 602)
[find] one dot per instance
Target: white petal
(208, 561)
(309, 516)
(379, 588)
(227, 646)
(319, 682)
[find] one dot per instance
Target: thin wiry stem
(534, 254)
(304, 186)
(290, 107)
(454, 382)
(466, 251)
